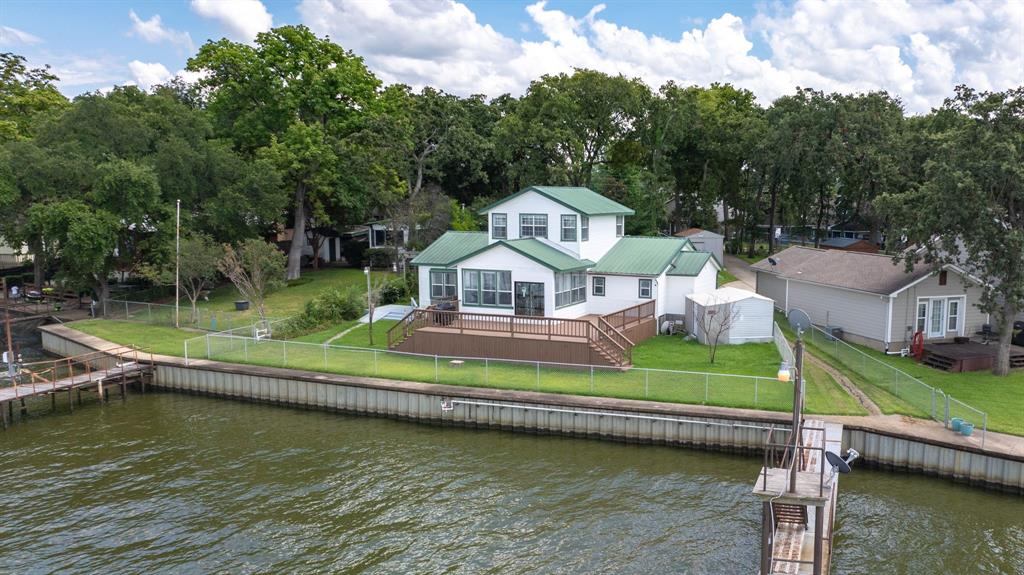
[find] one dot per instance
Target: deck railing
(603, 335)
(43, 376)
(625, 317)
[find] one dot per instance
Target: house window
(570, 288)
(533, 225)
(442, 285)
(499, 226)
(953, 321)
(598, 288)
(620, 226)
(942, 278)
(922, 315)
(584, 228)
(487, 288)
(379, 238)
(568, 228)
(646, 288)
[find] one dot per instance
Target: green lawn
(724, 277)
(1001, 397)
(663, 352)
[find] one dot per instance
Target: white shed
(747, 315)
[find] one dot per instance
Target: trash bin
(241, 305)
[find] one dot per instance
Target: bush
(394, 291)
(354, 252)
(328, 307)
(380, 257)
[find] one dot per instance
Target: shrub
(354, 252)
(328, 307)
(394, 291)
(380, 257)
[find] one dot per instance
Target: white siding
(621, 292)
(707, 279)
(424, 277)
(904, 307)
(857, 313)
(602, 228)
(754, 321)
(523, 270)
(773, 287)
(678, 288)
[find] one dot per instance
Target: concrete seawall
(722, 429)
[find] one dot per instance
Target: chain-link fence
(782, 345)
(628, 383)
(163, 314)
(894, 389)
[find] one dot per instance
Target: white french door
(941, 317)
(936, 317)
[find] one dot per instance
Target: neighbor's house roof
(690, 264)
(724, 295)
(450, 248)
(641, 256)
(700, 232)
(872, 273)
(582, 200)
(453, 247)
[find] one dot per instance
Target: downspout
(888, 325)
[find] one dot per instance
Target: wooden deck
(100, 370)
(969, 356)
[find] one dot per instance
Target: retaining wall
(723, 429)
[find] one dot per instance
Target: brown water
(170, 483)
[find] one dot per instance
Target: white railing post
(487, 372)
(933, 403)
(208, 347)
(374, 362)
(186, 352)
(591, 379)
(435, 370)
(756, 379)
(647, 382)
(984, 428)
(538, 376)
(125, 309)
(245, 348)
(325, 357)
(707, 377)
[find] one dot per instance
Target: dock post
(24, 408)
(3, 416)
(71, 401)
(53, 401)
(99, 389)
(766, 538)
(819, 534)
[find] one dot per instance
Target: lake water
(168, 483)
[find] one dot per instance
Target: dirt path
(342, 334)
(844, 381)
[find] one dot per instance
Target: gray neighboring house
(875, 302)
(706, 241)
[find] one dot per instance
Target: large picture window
(487, 288)
(442, 285)
(646, 288)
(499, 226)
(584, 228)
(533, 225)
(570, 288)
(568, 228)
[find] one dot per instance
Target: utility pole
(369, 302)
(798, 397)
(177, 261)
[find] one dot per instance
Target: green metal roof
(582, 200)
(689, 263)
(450, 248)
(546, 255)
(640, 256)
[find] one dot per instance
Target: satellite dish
(837, 462)
(773, 261)
(799, 320)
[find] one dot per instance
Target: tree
(25, 94)
(712, 321)
(256, 268)
(296, 96)
(969, 211)
(197, 271)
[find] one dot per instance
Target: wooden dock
(117, 367)
(797, 536)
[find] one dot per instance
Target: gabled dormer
(576, 220)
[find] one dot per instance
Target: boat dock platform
(96, 371)
(798, 494)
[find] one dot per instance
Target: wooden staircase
(788, 513)
(938, 361)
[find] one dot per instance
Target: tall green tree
(25, 95)
(291, 98)
(970, 209)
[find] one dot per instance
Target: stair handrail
(622, 355)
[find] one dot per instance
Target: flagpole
(177, 261)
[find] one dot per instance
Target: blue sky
(918, 51)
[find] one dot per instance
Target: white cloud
(153, 31)
(149, 74)
(14, 37)
(242, 18)
(915, 50)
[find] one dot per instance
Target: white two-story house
(561, 252)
